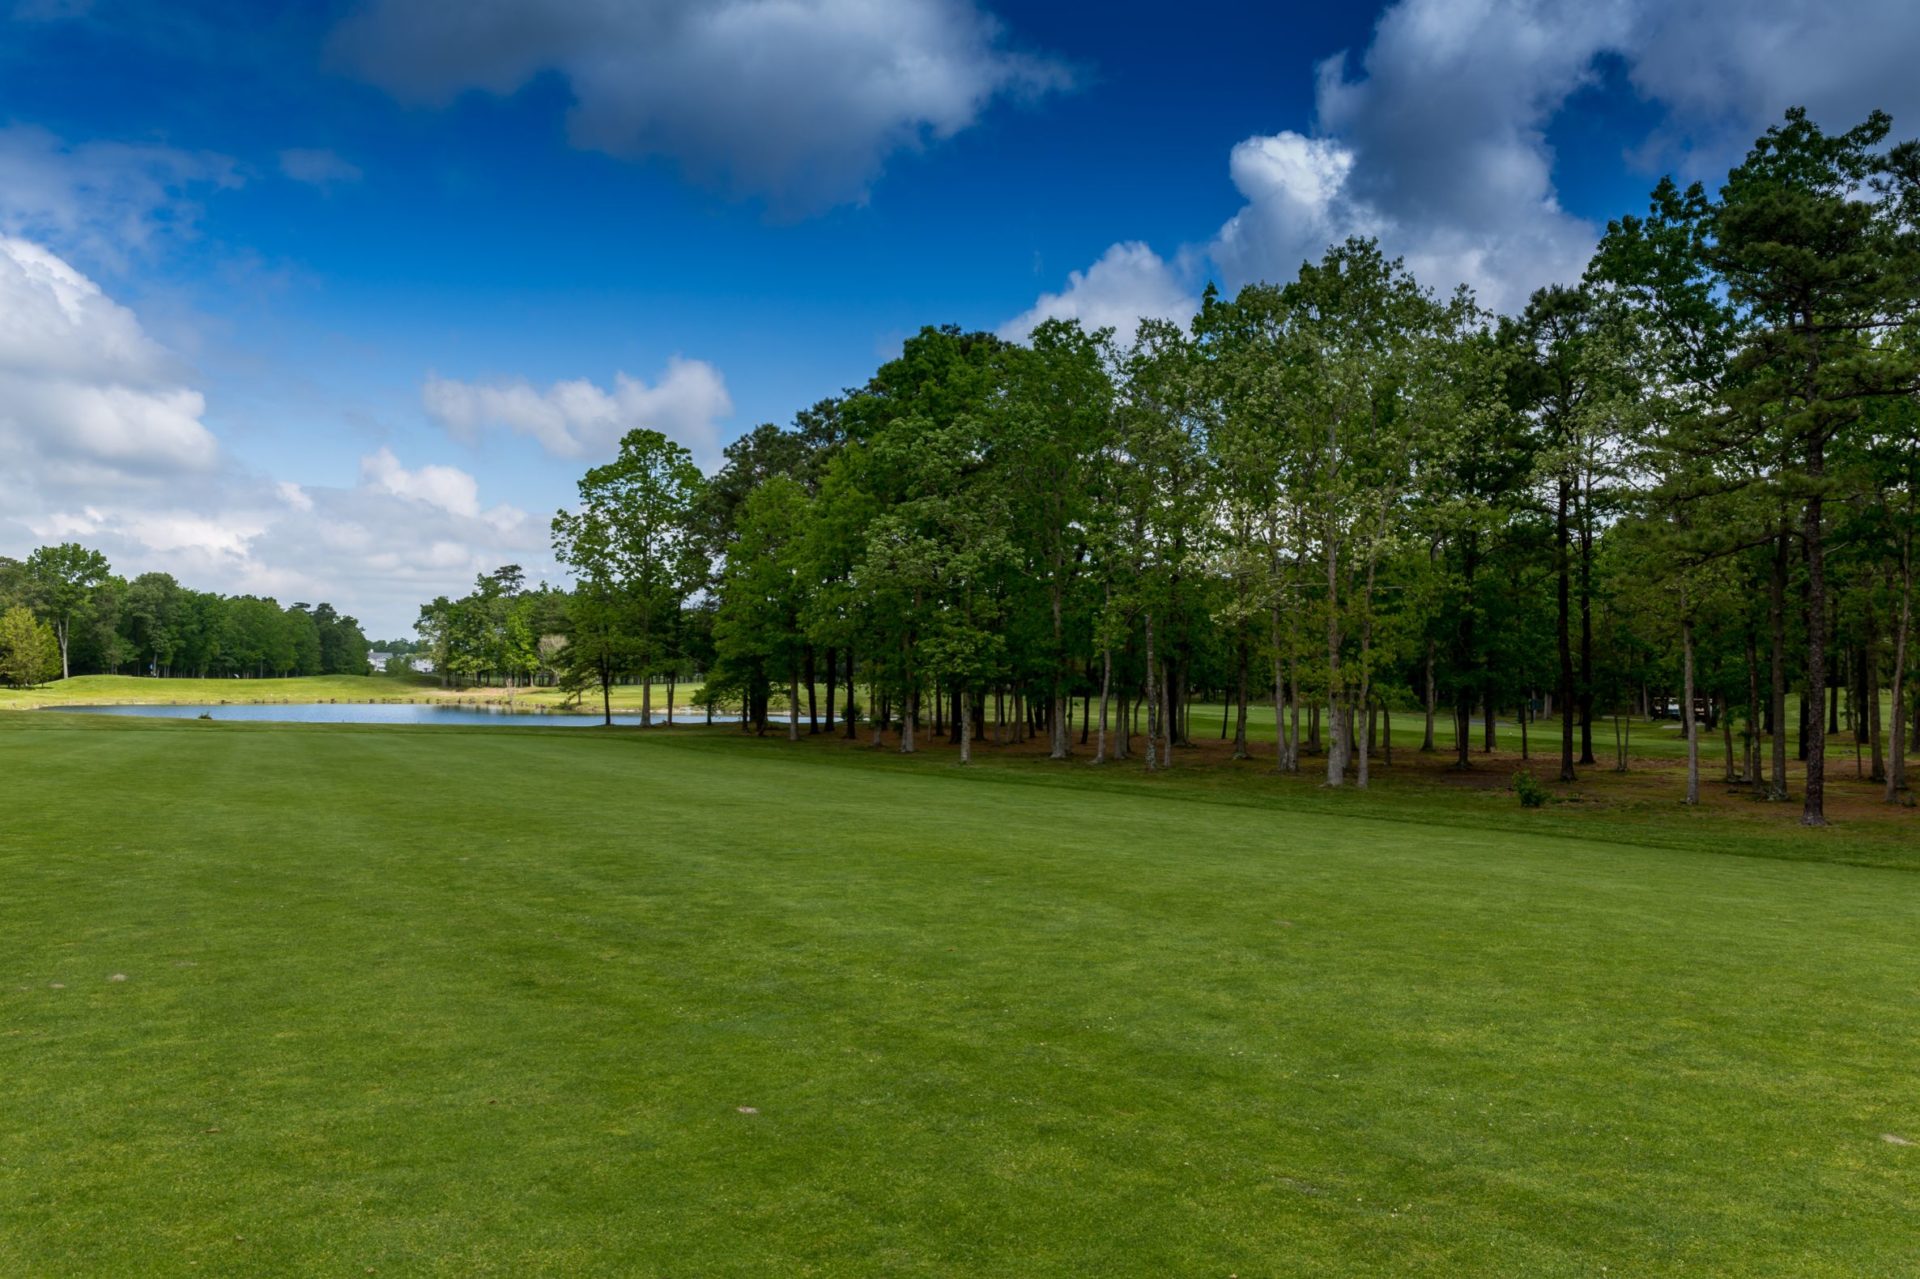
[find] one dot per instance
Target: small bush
(1532, 794)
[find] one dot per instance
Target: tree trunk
(793, 701)
(1059, 745)
(1106, 683)
(1687, 724)
(1463, 729)
(1363, 713)
(1726, 737)
(1153, 701)
(853, 721)
(1897, 773)
(1336, 747)
(1563, 631)
(965, 724)
(1431, 704)
(1586, 625)
(813, 709)
(1751, 756)
(1293, 715)
(833, 680)
(1814, 809)
(1279, 703)
(1870, 695)
(1777, 670)
(1240, 719)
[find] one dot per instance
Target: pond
(394, 713)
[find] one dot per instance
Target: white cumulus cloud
(576, 417)
(447, 487)
(1128, 284)
(797, 101)
(1434, 139)
(82, 386)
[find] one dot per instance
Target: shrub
(1532, 794)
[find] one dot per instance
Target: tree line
(1687, 479)
(63, 611)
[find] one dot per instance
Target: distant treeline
(100, 623)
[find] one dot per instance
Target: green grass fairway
(522, 1001)
(110, 690)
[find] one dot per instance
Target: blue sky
(337, 300)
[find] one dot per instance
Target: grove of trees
(1688, 479)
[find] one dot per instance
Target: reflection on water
(397, 713)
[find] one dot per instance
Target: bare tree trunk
(1167, 687)
(853, 720)
(1777, 674)
(1586, 620)
(966, 725)
(1897, 774)
(1293, 716)
(1240, 719)
(1364, 714)
(1432, 704)
(1106, 682)
(1751, 761)
(1814, 804)
(1686, 700)
(813, 709)
(1153, 701)
(1726, 736)
(1279, 709)
(1871, 687)
(1565, 694)
(833, 684)
(1336, 753)
(793, 701)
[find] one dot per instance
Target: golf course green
(340, 1000)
